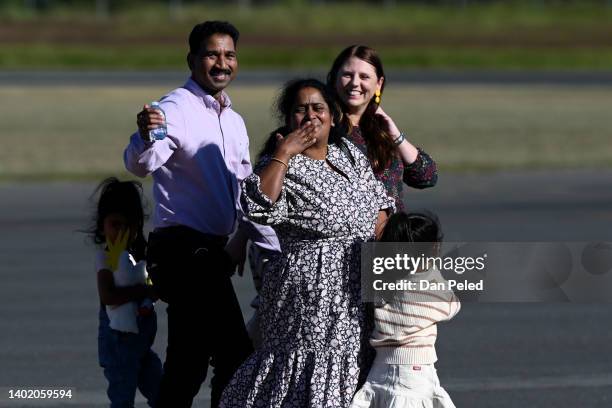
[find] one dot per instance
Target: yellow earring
(377, 94)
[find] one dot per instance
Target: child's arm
(115, 295)
(454, 306)
(380, 223)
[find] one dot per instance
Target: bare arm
(236, 247)
(380, 223)
(273, 175)
(407, 151)
(114, 295)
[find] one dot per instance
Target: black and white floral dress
(313, 320)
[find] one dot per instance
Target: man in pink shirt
(197, 170)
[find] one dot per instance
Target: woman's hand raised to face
(295, 142)
(389, 126)
(407, 151)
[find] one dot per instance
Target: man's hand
(148, 119)
(236, 247)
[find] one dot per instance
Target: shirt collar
(338, 158)
(209, 101)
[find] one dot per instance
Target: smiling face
(311, 106)
(356, 84)
(215, 65)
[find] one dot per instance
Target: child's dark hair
(421, 226)
(125, 198)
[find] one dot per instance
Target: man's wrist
(147, 138)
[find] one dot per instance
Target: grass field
(143, 35)
(69, 133)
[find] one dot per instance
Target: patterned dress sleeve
(423, 173)
(257, 206)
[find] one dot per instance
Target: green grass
(75, 133)
(332, 16)
(505, 35)
(165, 58)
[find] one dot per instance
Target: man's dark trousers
(191, 272)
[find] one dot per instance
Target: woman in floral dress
(321, 197)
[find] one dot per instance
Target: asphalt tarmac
(502, 355)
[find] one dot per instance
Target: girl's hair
(119, 197)
(422, 226)
(284, 109)
(379, 146)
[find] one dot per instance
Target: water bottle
(161, 131)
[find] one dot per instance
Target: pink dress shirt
(197, 169)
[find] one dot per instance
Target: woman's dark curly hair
(284, 108)
(113, 196)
